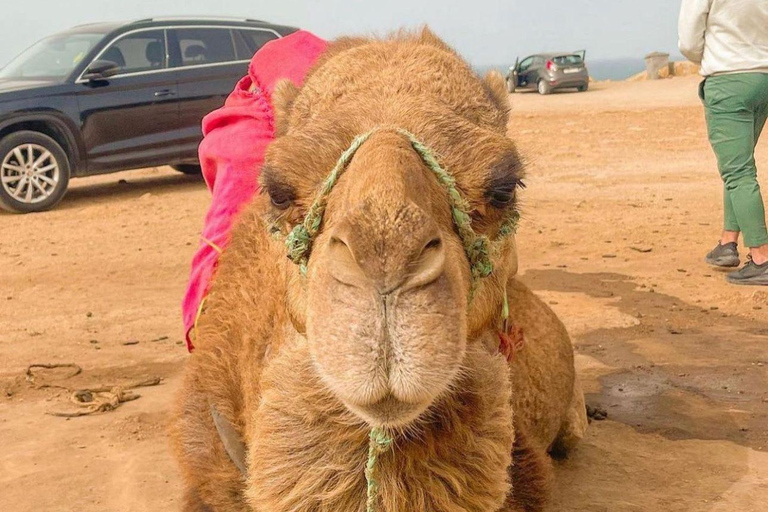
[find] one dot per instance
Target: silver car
(549, 71)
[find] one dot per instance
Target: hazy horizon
(493, 34)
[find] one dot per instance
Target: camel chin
(388, 327)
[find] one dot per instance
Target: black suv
(107, 97)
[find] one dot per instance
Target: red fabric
(232, 151)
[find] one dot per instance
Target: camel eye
(281, 199)
(503, 195)
(504, 178)
(281, 194)
(501, 198)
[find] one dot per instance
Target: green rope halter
(477, 247)
(379, 442)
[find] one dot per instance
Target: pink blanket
(232, 152)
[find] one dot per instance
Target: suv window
(253, 40)
(140, 51)
(205, 46)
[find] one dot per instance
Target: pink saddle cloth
(236, 137)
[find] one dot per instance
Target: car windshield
(54, 57)
(568, 60)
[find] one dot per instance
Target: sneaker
(724, 255)
(750, 274)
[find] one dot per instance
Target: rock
(685, 68)
(641, 249)
(760, 298)
(83, 396)
(132, 342)
(596, 413)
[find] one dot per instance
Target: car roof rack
(196, 18)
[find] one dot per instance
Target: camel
(386, 323)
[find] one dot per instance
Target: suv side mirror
(100, 69)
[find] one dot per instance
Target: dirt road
(623, 201)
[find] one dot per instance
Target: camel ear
(497, 88)
(282, 101)
(426, 36)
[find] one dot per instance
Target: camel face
(387, 295)
(385, 301)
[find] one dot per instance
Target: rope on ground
(91, 400)
(31, 377)
(103, 398)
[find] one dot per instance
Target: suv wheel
(583, 88)
(544, 87)
(34, 172)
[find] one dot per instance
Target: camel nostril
(428, 266)
(343, 263)
(433, 244)
(338, 242)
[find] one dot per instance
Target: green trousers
(736, 110)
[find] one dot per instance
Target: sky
(486, 32)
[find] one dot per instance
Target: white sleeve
(691, 28)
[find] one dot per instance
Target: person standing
(729, 39)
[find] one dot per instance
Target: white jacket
(725, 36)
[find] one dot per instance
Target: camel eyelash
(281, 195)
(503, 181)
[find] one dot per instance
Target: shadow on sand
(680, 376)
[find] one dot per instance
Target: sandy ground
(623, 201)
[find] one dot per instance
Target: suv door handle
(164, 93)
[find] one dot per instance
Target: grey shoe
(724, 255)
(750, 274)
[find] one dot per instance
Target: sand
(623, 201)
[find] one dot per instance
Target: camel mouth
(389, 412)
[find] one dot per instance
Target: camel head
(390, 295)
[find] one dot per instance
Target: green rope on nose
(299, 240)
(477, 247)
(379, 442)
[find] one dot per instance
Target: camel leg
(213, 481)
(575, 424)
(531, 476)
(193, 503)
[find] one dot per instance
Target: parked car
(108, 97)
(550, 71)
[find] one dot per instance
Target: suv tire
(543, 87)
(187, 168)
(583, 88)
(34, 172)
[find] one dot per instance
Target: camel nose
(387, 261)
